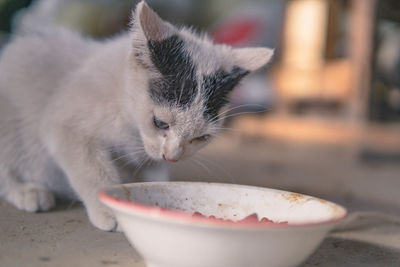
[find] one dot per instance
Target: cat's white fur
(67, 101)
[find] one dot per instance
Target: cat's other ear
(150, 24)
(252, 58)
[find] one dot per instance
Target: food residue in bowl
(252, 218)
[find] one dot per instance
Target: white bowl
(156, 218)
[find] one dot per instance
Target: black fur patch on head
(178, 84)
(215, 90)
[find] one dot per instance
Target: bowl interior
(227, 201)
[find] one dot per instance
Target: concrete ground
(371, 236)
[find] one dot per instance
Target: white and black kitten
(67, 103)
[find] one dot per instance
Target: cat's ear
(150, 24)
(252, 58)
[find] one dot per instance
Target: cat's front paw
(103, 218)
(31, 197)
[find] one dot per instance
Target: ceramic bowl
(157, 220)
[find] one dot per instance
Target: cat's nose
(173, 155)
(168, 159)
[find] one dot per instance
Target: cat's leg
(156, 173)
(14, 189)
(88, 168)
(30, 197)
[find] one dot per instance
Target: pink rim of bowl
(182, 216)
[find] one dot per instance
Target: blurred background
(323, 118)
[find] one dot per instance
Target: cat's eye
(160, 124)
(202, 138)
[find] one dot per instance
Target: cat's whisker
(195, 168)
(226, 129)
(180, 95)
(133, 147)
(129, 159)
(215, 135)
(119, 147)
(119, 158)
(229, 175)
(134, 156)
(143, 163)
(197, 161)
(128, 155)
(236, 107)
(138, 167)
(237, 114)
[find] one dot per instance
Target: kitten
(69, 104)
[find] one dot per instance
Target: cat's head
(187, 81)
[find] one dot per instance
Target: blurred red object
(237, 32)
